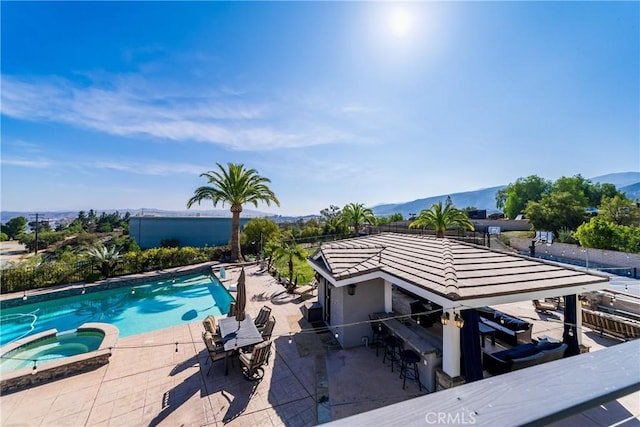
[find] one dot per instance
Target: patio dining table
(236, 335)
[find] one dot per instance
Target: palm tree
(269, 250)
(442, 218)
(108, 258)
(355, 215)
(236, 186)
(290, 250)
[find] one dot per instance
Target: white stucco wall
(346, 309)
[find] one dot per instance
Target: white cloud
(129, 105)
(158, 168)
(26, 163)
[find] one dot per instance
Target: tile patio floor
(148, 383)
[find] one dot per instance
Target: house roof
(452, 269)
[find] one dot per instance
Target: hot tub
(51, 355)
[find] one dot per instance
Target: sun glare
(400, 22)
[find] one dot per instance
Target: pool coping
(60, 368)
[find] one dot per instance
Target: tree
(555, 211)
(389, 219)
(14, 227)
(289, 250)
(579, 187)
(356, 215)
(258, 231)
(619, 210)
(237, 186)
(331, 223)
(269, 250)
(602, 234)
(441, 218)
(514, 197)
(108, 258)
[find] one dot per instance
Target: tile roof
(453, 269)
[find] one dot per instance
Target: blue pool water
(154, 305)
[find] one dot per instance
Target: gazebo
(356, 277)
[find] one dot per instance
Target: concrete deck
(307, 382)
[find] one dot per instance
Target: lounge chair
(303, 290)
(262, 317)
(543, 306)
(215, 349)
(252, 361)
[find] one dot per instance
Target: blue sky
(122, 105)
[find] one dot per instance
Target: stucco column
(388, 297)
(579, 319)
(451, 347)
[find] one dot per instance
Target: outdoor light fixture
(133, 291)
(24, 296)
(459, 321)
(351, 289)
(444, 319)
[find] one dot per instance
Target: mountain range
(484, 198)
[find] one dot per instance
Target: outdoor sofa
(523, 356)
(509, 329)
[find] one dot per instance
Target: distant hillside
(632, 191)
(482, 199)
(485, 198)
(620, 180)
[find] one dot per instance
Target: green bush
(24, 277)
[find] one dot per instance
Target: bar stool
(409, 360)
(392, 348)
(378, 333)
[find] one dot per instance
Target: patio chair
(232, 310)
(543, 306)
(214, 349)
(262, 317)
(253, 361)
(267, 329)
(211, 325)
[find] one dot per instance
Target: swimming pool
(132, 309)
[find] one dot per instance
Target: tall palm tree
(441, 218)
(237, 186)
(356, 215)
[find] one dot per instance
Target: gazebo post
(579, 320)
(388, 297)
(451, 347)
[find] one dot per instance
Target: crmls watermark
(450, 418)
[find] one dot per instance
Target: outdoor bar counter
(417, 339)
